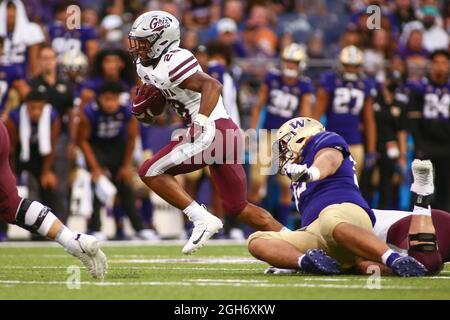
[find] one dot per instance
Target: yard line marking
(299, 275)
(127, 243)
(224, 260)
(203, 284)
(140, 268)
(228, 280)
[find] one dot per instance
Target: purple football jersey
(106, 126)
(311, 198)
(284, 99)
(436, 98)
(346, 100)
(64, 40)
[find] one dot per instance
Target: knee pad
(427, 252)
(34, 216)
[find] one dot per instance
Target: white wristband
(314, 173)
(200, 119)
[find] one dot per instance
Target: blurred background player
(390, 108)
(430, 99)
(107, 136)
(37, 218)
(285, 94)
(10, 77)
(22, 38)
(60, 96)
(111, 65)
(346, 99)
(64, 36)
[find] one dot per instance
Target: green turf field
(215, 272)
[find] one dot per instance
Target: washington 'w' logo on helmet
(297, 124)
(292, 138)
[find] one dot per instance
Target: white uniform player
(385, 219)
(174, 67)
(154, 45)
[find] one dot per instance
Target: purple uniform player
(346, 99)
(429, 100)
(107, 126)
(284, 99)
(284, 94)
(311, 198)
(94, 85)
(64, 40)
(345, 105)
(337, 224)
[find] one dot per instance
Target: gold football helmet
(292, 138)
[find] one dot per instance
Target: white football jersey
(173, 68)
(385, 219)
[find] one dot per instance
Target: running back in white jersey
(173, 68)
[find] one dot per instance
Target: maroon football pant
(398, 236)
(227, 172)
(9, 198)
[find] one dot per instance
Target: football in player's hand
(149, 102)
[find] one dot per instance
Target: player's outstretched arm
(326, 163)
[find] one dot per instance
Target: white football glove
(301, 173)
(273, 270)
(296, 171)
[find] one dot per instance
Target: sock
(283, 213)
(422, 201)
(147, 210)
(419, 210)
(389, 257)
(67, 238)
(194, 211)
(300, 259)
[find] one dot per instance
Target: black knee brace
(426, 253)
(23, 211)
